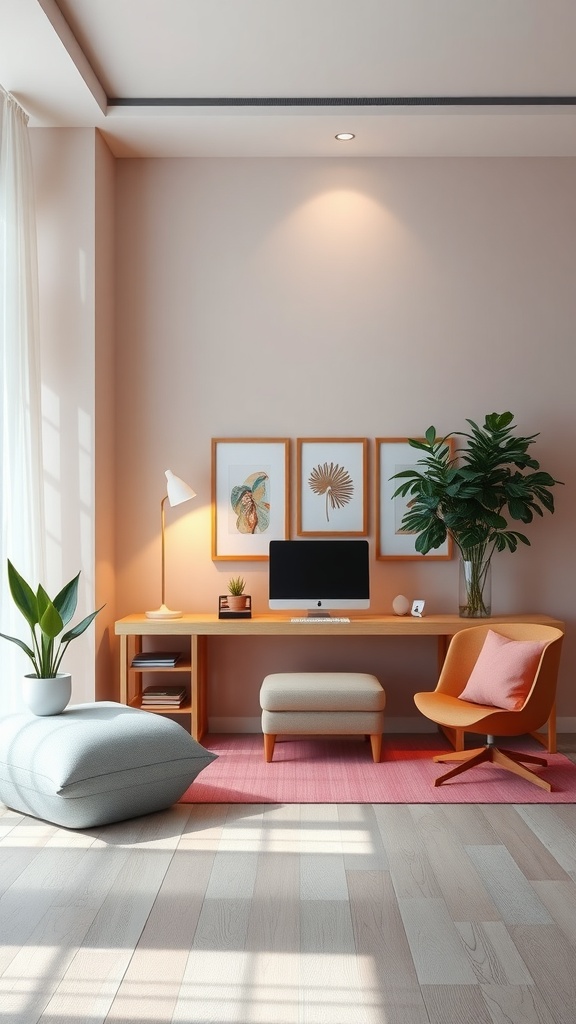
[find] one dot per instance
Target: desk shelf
(184, 665)
(132, 677)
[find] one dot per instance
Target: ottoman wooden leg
(376, 744)
(269, 742)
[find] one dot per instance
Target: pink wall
(287, 298)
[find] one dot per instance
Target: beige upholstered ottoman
(322, 703)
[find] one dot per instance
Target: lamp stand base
(163, 613)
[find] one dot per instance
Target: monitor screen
(319, 575)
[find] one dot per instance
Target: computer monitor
(319, 576)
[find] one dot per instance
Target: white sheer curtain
(21, 484)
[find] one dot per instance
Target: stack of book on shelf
(163, 696)
(156, 659)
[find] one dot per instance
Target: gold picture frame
(332, 486)
(250, 496)
(394, 454)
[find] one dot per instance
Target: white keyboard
(314, 619)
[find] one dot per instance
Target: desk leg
(442, 650)
(199, 687)
(130, 644)
(123, 669)
(548, 738)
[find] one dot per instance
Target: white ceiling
(66, 62)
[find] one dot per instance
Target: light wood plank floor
(293, 914)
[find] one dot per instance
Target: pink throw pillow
(504, 672)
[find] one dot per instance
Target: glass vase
(475, 585)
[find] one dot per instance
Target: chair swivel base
(509, 759)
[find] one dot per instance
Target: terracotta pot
(236, 602)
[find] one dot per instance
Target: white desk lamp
(178, 491)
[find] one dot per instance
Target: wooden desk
(198, 627)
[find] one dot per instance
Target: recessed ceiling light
(344, 136)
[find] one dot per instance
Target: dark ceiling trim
(346, 101)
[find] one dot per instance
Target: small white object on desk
(418, 609)
(400, 605)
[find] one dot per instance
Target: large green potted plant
(470, 495)
(46, 689)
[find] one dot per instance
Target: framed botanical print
(393, 455)
(250, 496)
(332, 482)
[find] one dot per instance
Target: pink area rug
(323, 770)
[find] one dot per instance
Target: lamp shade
(178, 490)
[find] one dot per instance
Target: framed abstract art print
(250, 496)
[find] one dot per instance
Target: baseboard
(237, 725)
(413, 724)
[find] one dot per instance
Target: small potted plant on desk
(46, 690)
(236, 596)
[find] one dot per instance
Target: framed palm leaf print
(332, 481)
(250, 496)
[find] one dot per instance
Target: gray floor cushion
(95, 763)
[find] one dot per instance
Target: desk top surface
(206, 624)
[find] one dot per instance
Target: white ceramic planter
(47, 696)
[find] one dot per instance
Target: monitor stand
(314, 613)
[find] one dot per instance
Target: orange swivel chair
(458, 716)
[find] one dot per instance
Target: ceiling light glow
(344, 136)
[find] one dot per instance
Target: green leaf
(422, 445)
(51, 622)
(498, 421)
(403, 490)
(541, 480)
(80, 628)
(27, 650)
(432, 537)
(411, 474)
(23, 595)
(430, 435)
(546, 499)
(67, 600)
(43, 601)
(519, 509)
